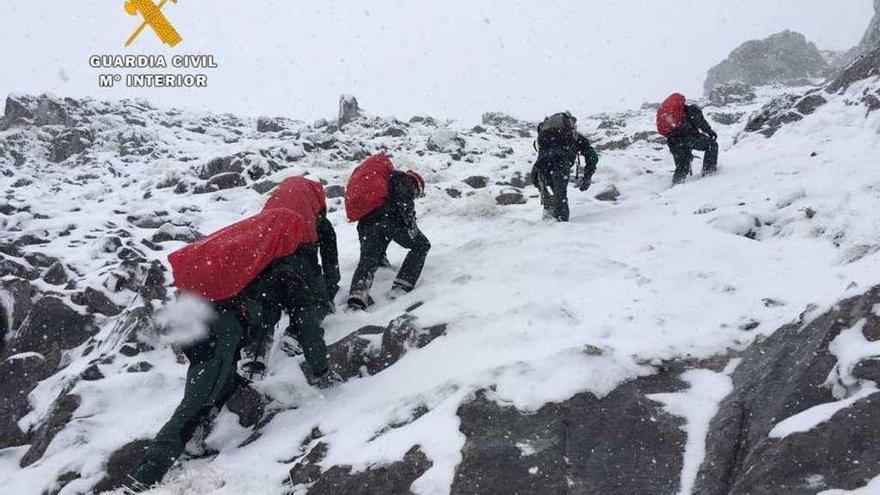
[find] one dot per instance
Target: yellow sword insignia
(154, 18)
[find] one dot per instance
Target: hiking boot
(254, 370)
(327, 380)
(359, 301)
(290, 346)
(400, 288)
(134, 487)
(585, 184)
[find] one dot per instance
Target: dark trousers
(210, 380)
(375, 234)
(682, 147)
(554, 175)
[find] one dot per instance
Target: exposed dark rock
(92, 374)
(864, 67)
(17, 378)
(121, 462)
(62, 412)
(171, 232)
(868, 369)
(785, 58)
(348, 109)
(153, 221)
(477, 181)
(511, 198)
(224, 165)
(50, 325)
(779, 377)
(334, 191)
(392, 130)
(40, 260)
(622, 443)
(222, 182)
(62, 481)
(269, 124)
(247, 404)
(610, 193)
(140, 367)
(56, 274)
(265, 186)
(724, 118)
(453, 193)
(372, 349)
(14, 268)
(70, 142)
(810, 104)
(129, 350)
(500, 119)
(96, 301)
(395, 478)
(731, 93)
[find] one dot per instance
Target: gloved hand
(713, 135)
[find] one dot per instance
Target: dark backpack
(559, 129)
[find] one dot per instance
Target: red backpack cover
(368, 187)
(220, 265)
(670, 115)
(302, 196)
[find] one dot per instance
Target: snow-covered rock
(621, 330)
(783, 58)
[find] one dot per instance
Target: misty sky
(451, 58)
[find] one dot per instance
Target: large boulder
(799, 420)
(70, 142)
(348, 109)
(622, 443)
(783, 58)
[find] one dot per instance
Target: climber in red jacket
(382, 201)
(249, 272)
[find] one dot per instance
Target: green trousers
(210, 380)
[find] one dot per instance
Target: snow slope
(536, 311)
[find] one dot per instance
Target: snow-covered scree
(97, 194)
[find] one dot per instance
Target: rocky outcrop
(731, 93)
(795, 373)
(871, 40)
(621, 443)
(783, 58)
(349, 110)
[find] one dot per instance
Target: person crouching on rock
(382, 201)
(686, 130)
(249, 271)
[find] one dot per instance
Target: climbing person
(559, 146)
(382, 201)
(686, 130)
(307, 198)
(245, 271)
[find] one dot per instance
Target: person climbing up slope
(249, 271)
(382, 201)
(307, 198)
(686, 130)
(559, 145)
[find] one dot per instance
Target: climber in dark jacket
(557, 153)
(694, 134)
(393, 221)
(292, 284)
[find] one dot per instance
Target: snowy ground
(660, 274)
